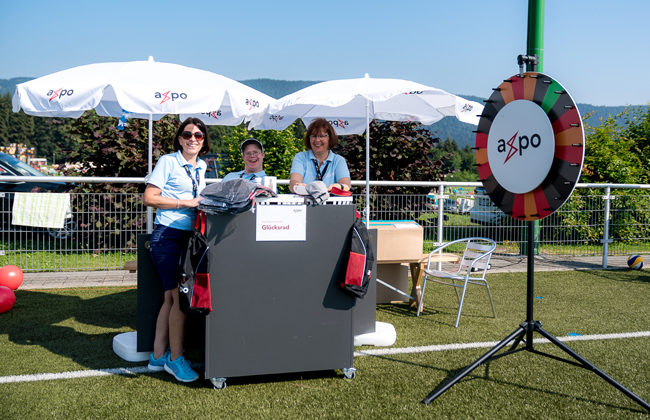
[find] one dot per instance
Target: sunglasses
(187, 135)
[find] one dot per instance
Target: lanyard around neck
(195, 189)
(319, 174)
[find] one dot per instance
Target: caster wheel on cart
(349, 373)
(218, 383)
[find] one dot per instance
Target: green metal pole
(535, 45)
(535, 41)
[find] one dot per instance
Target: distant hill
(9, 85)
(462, 133)
(447, 127)
(277, 88)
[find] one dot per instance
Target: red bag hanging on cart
(359, 269)
(194, 288)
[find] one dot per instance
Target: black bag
(194, 288)
(359, 270)
(233, 197)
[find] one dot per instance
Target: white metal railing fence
(101, 234)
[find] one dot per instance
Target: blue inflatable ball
(635, 262)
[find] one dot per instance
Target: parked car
(214, 161)
(450, 205)
(10, 166)
(484, 210)
(460, 205)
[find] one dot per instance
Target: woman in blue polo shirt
(319, 163)
(173, 189)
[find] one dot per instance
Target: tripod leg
(435, 394)
(589, 366)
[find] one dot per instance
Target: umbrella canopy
(140, 89)
(350, 104)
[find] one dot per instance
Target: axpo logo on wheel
(521, 146)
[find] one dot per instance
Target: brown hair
(206, 137)
(317, 125)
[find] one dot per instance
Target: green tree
(104, 151)
(611, 153)
(48, 138)
(5, 112)
(638, 130)
(21, 128)
(616, 151)
(279, 149)
(219, 134)
(399, 151)
(467, 160)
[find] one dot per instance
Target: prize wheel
(530, 146)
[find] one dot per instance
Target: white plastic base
(125, 345)
(384, 335)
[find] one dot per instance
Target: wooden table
(417, 272)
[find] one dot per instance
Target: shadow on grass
(628, 276)
(398, 309)
(76, 324)
(474, 375)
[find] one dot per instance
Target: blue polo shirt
(171, 177)
(303, 164)
(242, 174)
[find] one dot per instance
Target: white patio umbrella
(140, 89)
(350, 104)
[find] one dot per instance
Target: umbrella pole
(149, 165)
(367, 162)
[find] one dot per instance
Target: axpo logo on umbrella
(169, 96)
(59, 93)
(213, 114)
(467, 108)
(338, 123)
(252, 103)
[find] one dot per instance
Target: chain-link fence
(591, 223)
(101, 232)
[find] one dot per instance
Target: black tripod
(525, 332)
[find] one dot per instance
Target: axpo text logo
(59, 93)
(170, 96)
(522, 141)
(467, 108)
(213, 114)
(338, 123)
(520, 146)
(252, 104)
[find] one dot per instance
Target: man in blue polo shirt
(252, 153)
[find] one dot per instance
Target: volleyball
(635, 262)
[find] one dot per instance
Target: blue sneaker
(181, 369)
(158, 365)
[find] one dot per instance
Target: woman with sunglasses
(318, 162)
(173, 189)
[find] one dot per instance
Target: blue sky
(597, 49)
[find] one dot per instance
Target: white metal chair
(471, 270)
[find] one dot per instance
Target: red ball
(7, 299)
(11, 276)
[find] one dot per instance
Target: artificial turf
(70, 330)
